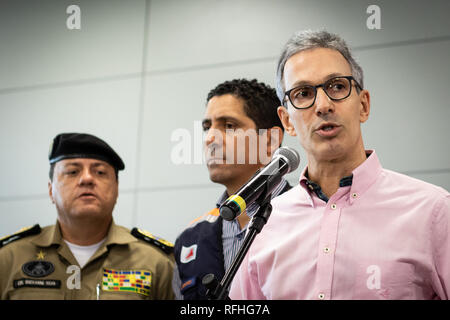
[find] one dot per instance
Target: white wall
(138, 70)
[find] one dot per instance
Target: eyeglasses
(337, 88)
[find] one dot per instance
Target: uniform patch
(188, 284)
(38, 269)
(138, 281)
(36, 283)
(188, 254)
(164, 245)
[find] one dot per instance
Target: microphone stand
(219, 291)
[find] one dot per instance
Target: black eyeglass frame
(350, 78)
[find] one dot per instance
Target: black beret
(82, 145)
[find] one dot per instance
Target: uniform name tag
(36, 283)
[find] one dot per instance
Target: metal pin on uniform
(97, 289)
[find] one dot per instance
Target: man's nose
(86, 177)
(214, 136)
(323, 103)
(209, 138)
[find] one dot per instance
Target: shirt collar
(365, 175)
(52, 235)
(361, 178)
(48, 236)
(119, 235)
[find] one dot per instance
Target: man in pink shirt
(350, 229)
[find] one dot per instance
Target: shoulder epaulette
(164, 245)
(22, 233)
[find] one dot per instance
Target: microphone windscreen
(292, 157)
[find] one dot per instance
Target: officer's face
(84, 189)
(229, 158)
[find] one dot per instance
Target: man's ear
(269, 140)
(286, 121)
(365, 106)
(50, 191)
(274, 139)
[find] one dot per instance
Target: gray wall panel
(138, 70)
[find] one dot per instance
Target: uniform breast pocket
(36, 294)
(391, 280)
(121, 296)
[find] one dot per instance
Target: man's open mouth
(328, 129)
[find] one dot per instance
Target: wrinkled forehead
(315, 66)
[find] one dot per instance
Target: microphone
(284, 160)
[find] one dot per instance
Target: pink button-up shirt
(387, 236)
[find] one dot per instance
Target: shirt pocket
(36, 294)
(386, 280)
(121, 296)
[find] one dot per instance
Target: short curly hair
(260, 100)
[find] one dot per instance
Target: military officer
(85, 255)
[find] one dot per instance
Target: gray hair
(308, 39)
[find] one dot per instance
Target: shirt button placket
(326, 256)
